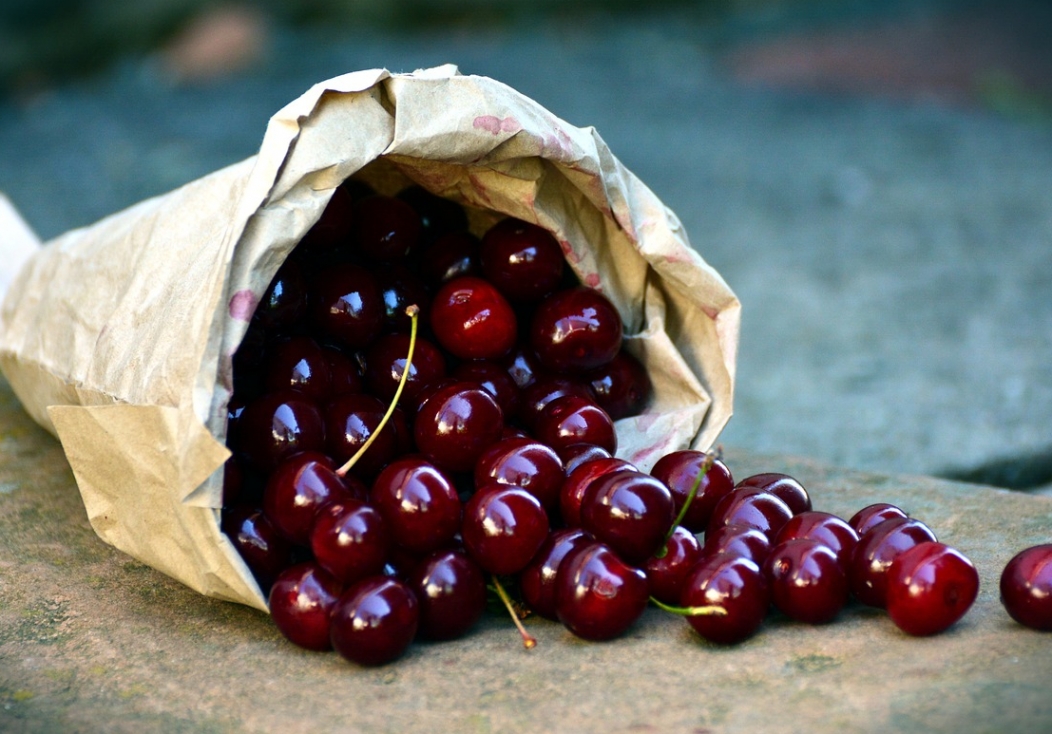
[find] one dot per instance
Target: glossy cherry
(472, 320)
(1026, 587)
(751, 506)
(572, 419)
(576, 454)
(299, 364)
(630, 511)
(667, 571)
(299, 488)
(872, 515)
(385, 361)
(537, 580)
(782, 486)
(827, 529)
(284, 303)
(350, 540)
(876, 550)
(451, 256)
(543, 391)
(384, 227)
(738, 540)
(419, 504)
(525, 463)
(599, 596)
(575, 330)
(929, 588)
(806, 580)
(374, 621)
(733, 583)
(301, 602)
(577, 482)
(524, 261)
(346, 305)
(350, 421)
(495, 380)
(266, 552)
(399, 289)
(679, 471)
(456, 424)
(503, 528)
(451, 590)
(277, 425)
(621, 386)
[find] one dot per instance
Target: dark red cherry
(284, 302)
(621, 386)
(630, 511)
(374, 621)
(503, 528)
(350, 540)
(299, 488)
(276, 426)
(438, 216)
(735, 584)
(451, 590)
(385, 360)
(599, 596)
(472, 320)
(827, 529)
(751, 506)
(299, 364)
(1026, 587)
(525, 463)
(572, 419)
(875, 552)
(399, 289)
(806, 580)
(738, 540)
(522, 365)
(872, 515)
(537, 580)
(451, 256)
(575, 330)
(543, 391)
(579, 453)
(301, 601)
(419, 503)
(350, 420)
(929, 587)
(577, 483)
(346, 305)
(679, 471)
(495, 380)
(344, 373)
(265, 551)
(782, 486)
(456, 424)
(385, 228)
(521, 259)
(667, 572)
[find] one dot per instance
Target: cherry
(733, 583)
(738, 540)
(598, 596)
(679, 471)
(630, 511)
(572, 419)
(544, 390)
(667, 572)
(350, 540)
(472, 320)
(346, 305)
(299, 364)
(875, 552)
(277, 425)
(451, 256)
(806, 580)
(385, 360)
(503, 528)
(621, 386)
(872, 515)
(419, 504)
(374, 621)
(929, 587)
(537, 580)
(521, 363)
(577, 482)
(384, 227)
(525, 463)
(575, 330)
(827, 529)
(782, 486)
(334, 226)
(301, 601)
(266, 552)
(438, 216)
(456, 424)
(284, 302)
(751, 506)
(579, 453)
(524, 261)
(452, 594)
(495, 380)
(350, 421)
(343, 373)
(299, 488)
(1026, 587)
(399, 289)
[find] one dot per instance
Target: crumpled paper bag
(118, 337)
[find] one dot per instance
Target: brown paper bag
(118, 337)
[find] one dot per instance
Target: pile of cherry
(421, 416)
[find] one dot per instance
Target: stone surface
(93, 641)
(894, 259)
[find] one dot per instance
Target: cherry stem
(710, 458)
(706, 611)
(413, 312)
(528, 640)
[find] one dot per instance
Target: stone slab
(93, 641)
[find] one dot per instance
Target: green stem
(691, 611)
(710, 457)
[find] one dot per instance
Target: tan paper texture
(118, 337)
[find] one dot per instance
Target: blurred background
(872, 178)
